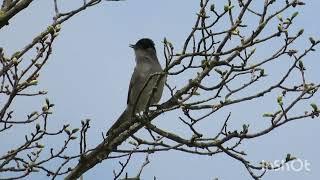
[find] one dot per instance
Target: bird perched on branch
(144, 79)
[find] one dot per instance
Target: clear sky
(90, 69)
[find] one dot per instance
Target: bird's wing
(133, 82)
(138, 78)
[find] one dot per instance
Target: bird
(147, 65)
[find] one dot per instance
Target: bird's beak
(132, 45)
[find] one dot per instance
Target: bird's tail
(125, 116)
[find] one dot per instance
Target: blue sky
(90, 68)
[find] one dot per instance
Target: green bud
(267, 115)
(33, 113)
(37, 127)
(300, 32)
(245, 128)
(75, 130)
(313, 42)
(15, 61)
(58, 27)
(40, 146)
(226, 8)
(235, 32)
(280, 29)
(301, 3)
(73, 137)
(67, 131)
(314, 106)
(301, 65)
(45, 108)
(212, 7)
(50, 29)
(47, 102)
(279, 100)
(33, 82)
(294, 15)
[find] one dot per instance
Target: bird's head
(144, 47)
(143, 44)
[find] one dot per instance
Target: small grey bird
(146, 64)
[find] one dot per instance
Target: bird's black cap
(144, 43)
